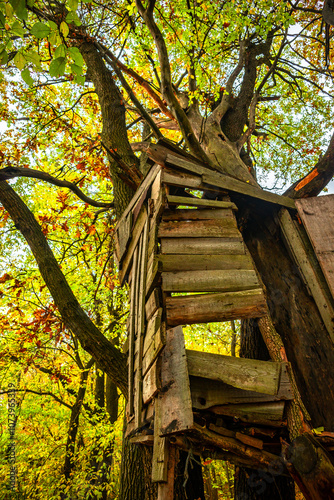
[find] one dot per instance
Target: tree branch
(315, 181)
(112, 361)
(12, 172)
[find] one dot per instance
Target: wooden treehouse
(180, 250)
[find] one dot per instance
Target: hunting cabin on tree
(180, 250)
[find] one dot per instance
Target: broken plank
(211, 246)
(206, 308)
(175, 395)
(152, 381)
(209, 281)
(197, 214)
(191, 262)
(216, 228)
(246, 374)
(199, 202)
(137, 231)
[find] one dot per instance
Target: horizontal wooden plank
(209, 281)
(197, 214)
(218, 228)
(211, 246)
(189, 262)
(199, 202)
(206, 394)
(246, 374)
(271, 414)
(206, 308)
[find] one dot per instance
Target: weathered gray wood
(152, 274)
(206, 308)
(175, 396)
(131, 335)
(209, 281)
(231, 184)
(295, 244)
(210, 246)
(249, 440)
(160, 447)
(198, 214)
(246, 374)
(199, 202)
(166, 490)
(317, 215)
(173, 178)
(124, 235)
(216, 228)
(152, 381)
(152, 327)
(137, 231)
(207, 393)
(152, 303)
(271, 414)
(189, 262)
(154, 349)
(140, 191)
(153, 238)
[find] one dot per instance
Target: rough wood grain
(152, 327)
(199, 202)
(197, 214)
(175, 396)
(295, 244)
(124, 235)
(166, 490)
(207, 393)
(209, 281)
(270, 414)
(160, 447)
(137, 230)
(206, 308)
(317, 215)
(152, 381)
(211, 246)
(189, 262)
(131, 334)
(217, 228)
(152, 303)
(247, 374)
(154, 349)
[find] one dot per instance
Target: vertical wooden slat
(166, 490)
(132, 320)
(160, 447)
(141, 325)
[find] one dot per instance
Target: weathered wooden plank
(140, 191)
(124, 235)
(198, 214)
(210, 246)
(160, 447)
(210, 281)
(152, 303)
(189, 262)
(166, 490)
(137, 230)
(117, 250)
(152, 327)
(152, 381)
(206, 308)
(153, 239)
(205, 394)
(317, 215)
(246, 374)
(271, 414)
(154, 349)
(229, 183)
(181, 179)
(152, 275)
(297, 249)
(176, 398)
(216, 228)
(131, 335)
(199, 202)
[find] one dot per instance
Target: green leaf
(57, 66)
(64, 29)
(40, 30)
(73, 18)
(77, 70)
(27, 77)
(73, 4)
(2, 20)
(34, 58)
(20, 9)
(60, 51)
(9, 11)
(19, 60)
(3, 55)
(76, 56)
(17, 29)
(79, 79)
